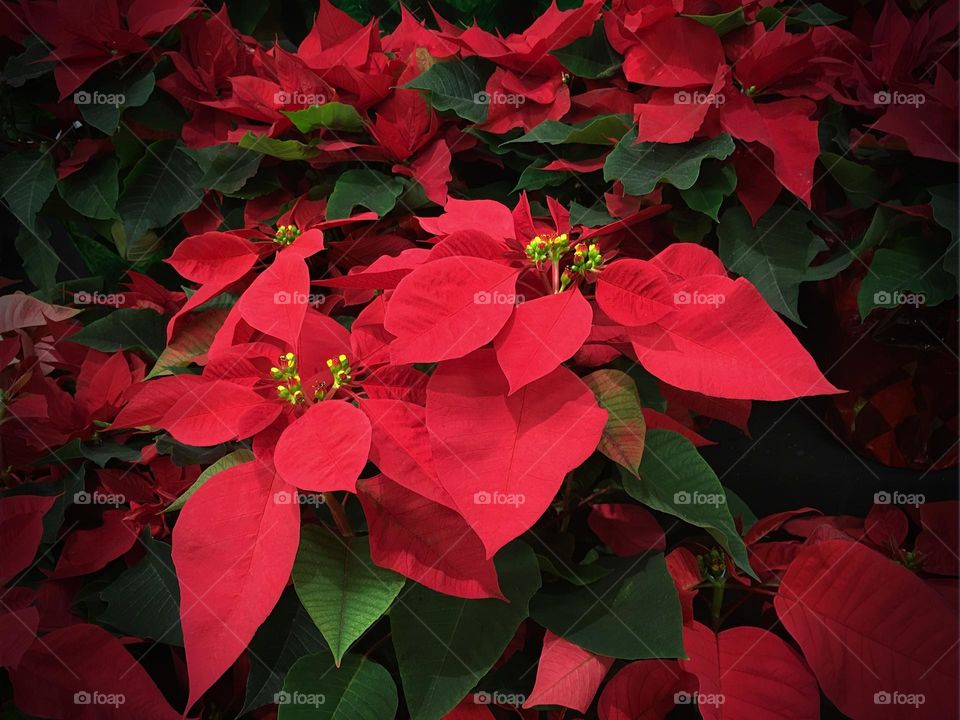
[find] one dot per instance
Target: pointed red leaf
(642, 690)
(21, 528)
(634, 292)
(425, 541)
(675, 52)
(86, 551)
(541, 334)
(502, 458)
(276, 302)
(218, 411)
(748, 672)
(233, 547)
(447, 308)
(567, 675)
(18, 628)
(325, 448)
(870, 629)
(626, 529)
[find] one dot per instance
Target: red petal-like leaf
(541, 334)
(642, 690)
(503, 457)
(326, 448)
(626, 529)
(425, 541)
(233, 547)
(276, 302)
(218, 411)
(567, 675)
(449, 307)
(21, 528)
(874, 633)
(634, 292)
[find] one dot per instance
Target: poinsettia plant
(362, 362)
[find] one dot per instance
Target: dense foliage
(359, 369)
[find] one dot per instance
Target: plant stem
(567, 502)
(716, 605)
(338, 513)
(555, 277)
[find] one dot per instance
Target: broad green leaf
(145, 600)
(359, 689)
(631, 613)
(600, 130)
(622, 439)
(286, 635)
(340, 587)
(237, 457)
(534, 177)
(739, 508)
(716, 182)
(640, 166)
(330, 116)
(674, 479)
(457, 85)
(98, 451)
(908, 271)
(775, 255)
(591, 56)
(27, 178)
(723, 23)
(192, 339)
(94, 189)
(943, 199)
(579, 574)
(595, 216)
(40, 260)
(281, 149)
(845, 255)
(160, 187)
(125, 329)
(29, 64)
(226, 168)
(105, 98)
(446, 644)
(367, 188)
(689, 226)
(860, 182)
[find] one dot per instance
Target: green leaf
(359, 689)
(125, 329)
(94, 189)
(623, 435)
(27, 178)
(591, 217)
(908, 271)
(29, 64)
(595, 131)
(330, 116)
(286, 635)
(640, 166)
(723, 23)
(775, 255)
(192, 339)
(341, 588)
(160, 187)
(943, 200)
(145, 600)
(226, 168)
(860, 182)
(578, 574)
(65, 489)
(674, 479)
(534, 177)
(102, 105)
(280, 149)
(40, 261)
(590, 57)
(237, 457)
(457, 85)
(100, 452)
(631, 613)
(716, 183)
(446, 644)
(367, 188)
